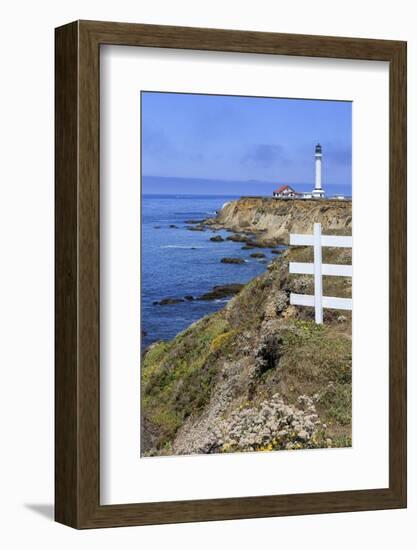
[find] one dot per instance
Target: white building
(287, 192)
(318, 190)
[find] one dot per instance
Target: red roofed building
(285, 192)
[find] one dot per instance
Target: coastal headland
(259, 374)
(273, 219)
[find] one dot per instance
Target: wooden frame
(77, 274)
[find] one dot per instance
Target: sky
(211, 137)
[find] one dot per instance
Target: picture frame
(77, 270)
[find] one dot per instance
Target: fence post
(318, 279)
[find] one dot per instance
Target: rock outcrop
(222, 291)
(272, 219)
(258, 375)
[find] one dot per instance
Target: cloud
(264, 155)
(155, 142)
(339, 155)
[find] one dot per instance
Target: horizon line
(274, 182)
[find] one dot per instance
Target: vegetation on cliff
(257, 375)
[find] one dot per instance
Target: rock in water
(194, 228)
(217, 239)
(257, 255)
(232, 261)
(237, 238)
(168, 301)
(221, 291)
(255, 244)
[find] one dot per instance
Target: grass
(178, 376)
(316, 360)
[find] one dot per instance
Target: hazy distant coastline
(155, 185)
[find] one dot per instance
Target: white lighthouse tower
(318, 191)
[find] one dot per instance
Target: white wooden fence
(318, 269)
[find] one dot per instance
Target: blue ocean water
(179, 262)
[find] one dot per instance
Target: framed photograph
(230, 274)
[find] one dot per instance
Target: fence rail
(328, 301)
(318, 269)
(334, 241)
(326, 269)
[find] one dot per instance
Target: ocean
(177, 262)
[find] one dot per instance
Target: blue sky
(245, 138)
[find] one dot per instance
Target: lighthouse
(318, 191)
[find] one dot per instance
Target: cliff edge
(273, 219)
(258, 375)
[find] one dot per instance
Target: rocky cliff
(258, 374)
(272, 219)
